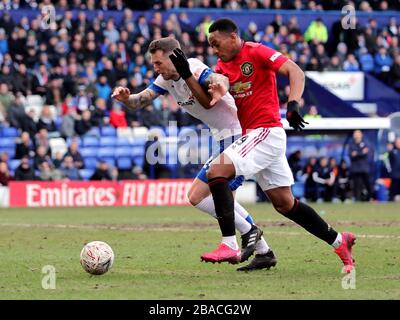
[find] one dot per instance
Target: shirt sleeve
(159, 86)
(199, 70)
(270, 58)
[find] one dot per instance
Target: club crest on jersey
(247, 68)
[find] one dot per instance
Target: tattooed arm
(134, 101)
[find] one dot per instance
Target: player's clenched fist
(121, 94)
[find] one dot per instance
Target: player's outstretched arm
(296, 80)
(181, 64)
(134, 101)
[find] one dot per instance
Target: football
(97, 257)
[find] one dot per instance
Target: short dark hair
(223, 25)
(166, 45)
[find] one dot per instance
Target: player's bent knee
(284, 207)
(193, 198)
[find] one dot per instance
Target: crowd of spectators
(326, 180)
(313, 5)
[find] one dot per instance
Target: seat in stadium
(105, 152)
(89, 152)
(140, 132)
(9, 151)
(90, 142)
(108, 141)
(7, 142)
(9, 132)
(123, 142)
(298, 189)
(90, 162)
(139, 142)
(109, 160)
(108, 131)
(58, 145)
(139, 160)
(77, 139)
(123, 152)
(86, 173)
(14, 164)
(124, 163)
(93, 132)
(137, 151)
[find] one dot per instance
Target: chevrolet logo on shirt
(239, 87)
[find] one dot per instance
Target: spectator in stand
(294, 161)
(67, 129)
(150, 117)
(309, 183)
(25, 171)
(102, 171)
(117, 116)
(57, 159)
(6, 97)
(5, 174)
(100, 116)
(69, 169)
(103, 89)
(49, 173)
(394, 158)
(42, 139)
(16, 111)
(24, 147)
(383, 63)
(351, 64)
(395, 73)
(83, 125)
(28, 123)
(325, 180)
(359, 168)
(73, 152)
(40, 156)
(312, 113)
(40, 80)
(310, 187)
(343, 182)
(316, 32)
(46, 122)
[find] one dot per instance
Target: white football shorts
(262, 154)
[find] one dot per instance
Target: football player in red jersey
(251, 69)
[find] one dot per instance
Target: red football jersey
(252, 78)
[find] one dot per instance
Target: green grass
(157, 254)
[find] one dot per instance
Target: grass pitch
(157, 254)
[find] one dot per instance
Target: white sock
(262, 246)
(207, 205)
(338, 241)
(231, 242)
(242, 211)
(241, 224)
